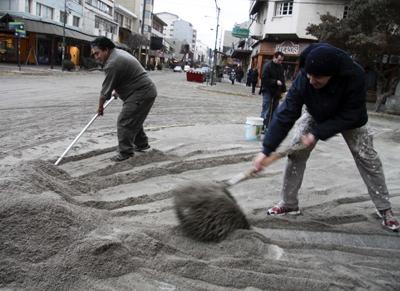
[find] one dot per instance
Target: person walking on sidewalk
(126, 79)
(332, 86)
(272, 86)
(249, 77)
(254, 79)
(232, 76)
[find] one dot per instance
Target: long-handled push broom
(208, 211)
(82, 131)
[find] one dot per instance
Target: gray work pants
(130, 122)
(366, 158)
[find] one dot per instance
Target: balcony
(256, 31)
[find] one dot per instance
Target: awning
(53, 29)
(240, 54)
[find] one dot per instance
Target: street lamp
(215, 46)
(63, 42)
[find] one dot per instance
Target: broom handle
(80, 134)
(266, 162)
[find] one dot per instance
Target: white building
(168, 18)
(281, 26)
(201, 53)
(179, 29)
(99, 18)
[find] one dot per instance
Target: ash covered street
(52, 108)
(92, 224)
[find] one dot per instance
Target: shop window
(6, 46)
(284, 8)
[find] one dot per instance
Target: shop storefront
(264, 51)
(42, 43)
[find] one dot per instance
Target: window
(75, 21)
(100, 5)
(346, 11)
(44, 11)
(284, 8)
(104, 25)
(147, 15)
(28, 4)
(128, 23)
(63, 17)
(119, 18)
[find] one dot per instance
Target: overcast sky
(202, 14)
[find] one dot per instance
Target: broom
(208, 211)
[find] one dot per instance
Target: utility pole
(63, 42)
(215, 47)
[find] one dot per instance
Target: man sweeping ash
(332, 86)
(126, 79)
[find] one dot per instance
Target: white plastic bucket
(253, 128)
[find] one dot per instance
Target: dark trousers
(269, 105)
(130, 124)
(253, 87)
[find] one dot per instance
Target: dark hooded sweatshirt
(338, 106)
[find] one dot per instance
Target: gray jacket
(125, 75)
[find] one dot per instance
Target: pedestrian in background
(332, 87)
(254, 79)
(232, 76)
(126, 79)
(239, 74)
(272, 86)
(249, 77)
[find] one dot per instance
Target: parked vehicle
(186, 68)
(178, 69)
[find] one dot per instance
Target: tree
(371, 33)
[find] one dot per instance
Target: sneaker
(282, 210)
(388, 220)
(120, 158)
(142, 148)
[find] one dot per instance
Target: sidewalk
(6, 68)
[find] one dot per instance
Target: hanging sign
(240, 32)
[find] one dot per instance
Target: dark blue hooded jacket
(338, 106)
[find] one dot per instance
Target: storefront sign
(240, 32)
(288, 48)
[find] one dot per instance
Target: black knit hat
(323, 61)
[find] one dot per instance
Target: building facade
(49, 24)
(281, 26)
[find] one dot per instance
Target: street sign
(18, 28)
(240, 32)
(16, 25)
(20, 33)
